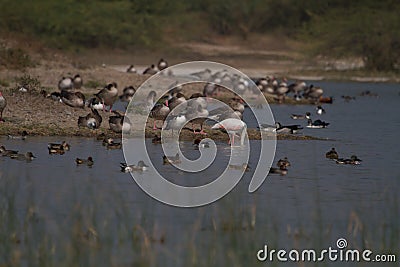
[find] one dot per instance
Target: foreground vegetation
(338, 28)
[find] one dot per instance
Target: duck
(107, 140)
(23, 136)
(131, 69)
(162, 64)
(233, 127)
(283, 163)
(159, 112)
(116, 122)
(353, 160)
(28, 156)
(141, 166)
(281, 171)
(7, 152)
(171, 159)
(92, 120)
(156, 139)
(347, 98)
(77, 81)
(287, 129)
(301, 117)
(89, 161)
(243, 167)
(3, 104)
(317, 124)
(73, 99)
(114, 145)
(332, 154)
(100, 136)
(108, 95)
(56, 148)
(65, 83)
(198, 144)
(96, 103)
(150, 70)
(320, 110)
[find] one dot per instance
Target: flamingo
(233, 127)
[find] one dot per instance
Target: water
(314, 205)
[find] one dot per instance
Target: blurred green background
(339, 28)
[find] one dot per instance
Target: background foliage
(339, 28)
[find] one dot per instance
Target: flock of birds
(195, 110)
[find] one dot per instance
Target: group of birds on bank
(298, 89)
(153, 69)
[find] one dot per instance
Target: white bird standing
(233, 127)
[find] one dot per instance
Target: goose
(209, 90)
(150, 99)
(313, 92)
(171, 159)
(197, 116)
(131, 69)
(332, 154)
(175, 122)
(150, 70)
(77, 81)
(236, 104)
(141, 166)
(267, 127)
(297, 87)
(162, 64)
(116, 122)
(353, 160)
(92, 120)
(159, 112)
(28, 156)
(301, 117)
(204, 75)
(66, 83)
(3, 104)
(233, 127)
(89, 161)
(95, 103)
(317, 124)
(176, 100)
(292, 129)
(199, 99)
(73, 99)
(108, 95)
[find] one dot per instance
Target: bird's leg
(154, 125)
(194, 131)
(201, 130)
(110, 108)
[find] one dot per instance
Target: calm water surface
(314, 205)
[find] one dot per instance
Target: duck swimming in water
(141, 166)
(171, 159)
(332, 154)
(89, 161)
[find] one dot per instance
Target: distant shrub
(15, 58)
(93, 84)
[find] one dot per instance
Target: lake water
(46, 202)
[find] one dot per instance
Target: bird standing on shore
(162, 64)
(77, 81)
(108, 95)
(233, 127)
(3, 104)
